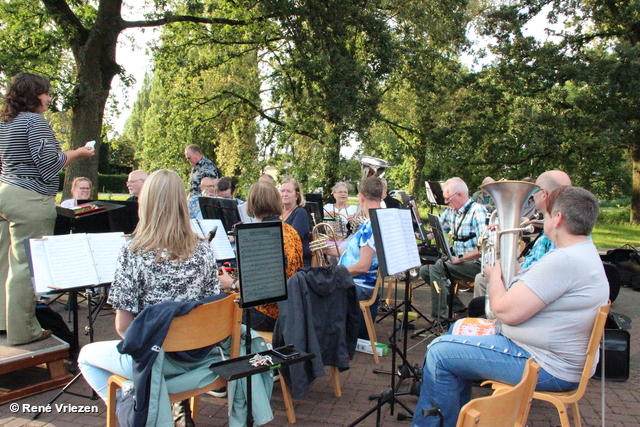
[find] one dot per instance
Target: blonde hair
(296, 187)
(264, 200)
(165, 225)
(78, 180)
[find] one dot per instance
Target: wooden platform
(29, 369)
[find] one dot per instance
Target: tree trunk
(416, 180)
(94, 51)
(635, 189)
(332, 157)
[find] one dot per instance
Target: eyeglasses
(448, 199)
(134, 181)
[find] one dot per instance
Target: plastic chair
(562, 400)
(506, 407)
(203, 326)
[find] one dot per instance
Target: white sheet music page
(220, 244)
(70, 261)
(42, 281)
(105, 248)
(400, 248)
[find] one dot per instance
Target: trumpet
(321, 235)
(509, 198)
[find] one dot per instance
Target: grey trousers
(436, 272)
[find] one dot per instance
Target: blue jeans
(453, 362)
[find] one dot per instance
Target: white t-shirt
(572, 282)
(329, 208)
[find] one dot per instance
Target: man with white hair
(465, 220)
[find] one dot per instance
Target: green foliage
(106, 183)
(610, 216)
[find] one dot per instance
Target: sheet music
(220, 244)
(105, 248)
(261, 264)
(430, 196)
(400, 248)
(42, 281)
(70, 261)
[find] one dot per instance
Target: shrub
(614, 215)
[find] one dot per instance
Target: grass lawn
(615, 235)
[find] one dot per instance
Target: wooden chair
(563, 399)
(203, 326)
(368, 320)
(506, 407)
(286, 391)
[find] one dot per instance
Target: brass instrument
(321, 235)
(371, 166)
(509, 198)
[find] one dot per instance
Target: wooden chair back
(506, 407)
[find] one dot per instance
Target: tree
(588, 74)
(33, 32)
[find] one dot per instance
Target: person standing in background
(30, 159)
(201, 167)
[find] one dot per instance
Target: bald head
(549, 181)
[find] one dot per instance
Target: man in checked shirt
(466, 221)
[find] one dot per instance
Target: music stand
(434, 192)
(445, 251)
(91, 222)
(262, 274)
(226, 210)
(397, 253)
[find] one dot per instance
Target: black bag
(627, 261)
(52, 320)
(616, 349)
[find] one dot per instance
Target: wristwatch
(234, 285)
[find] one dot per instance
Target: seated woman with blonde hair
(165, 261)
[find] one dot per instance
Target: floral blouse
(140, 281)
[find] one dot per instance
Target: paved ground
(321, 408)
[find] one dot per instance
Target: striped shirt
(30, 155)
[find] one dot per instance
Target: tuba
(509, 198)
(371, 166)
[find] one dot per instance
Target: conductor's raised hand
(84, 152)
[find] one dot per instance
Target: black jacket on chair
(321, 316)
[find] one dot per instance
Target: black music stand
(262, 276)
(226, 210)
(91, 222)
(397, 252)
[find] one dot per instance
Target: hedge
(106, 183)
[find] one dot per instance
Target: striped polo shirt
(30, 156)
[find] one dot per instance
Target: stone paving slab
(321, 408)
